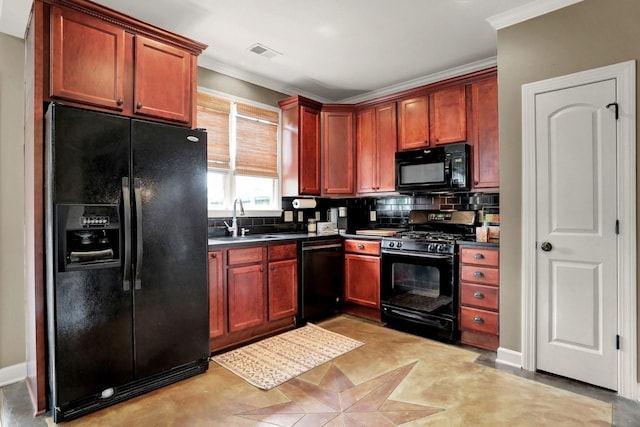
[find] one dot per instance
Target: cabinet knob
(360, 246)
(272, 268)
(261, 269)
(119, 101)
(478, 319)
(478, 274)
(478, 256)
(214, 255)
(139, 105)
(475, 182)
(426, 141)
(478, 295)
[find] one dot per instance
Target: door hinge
(617, 226)
(615, 105)
(617, 342)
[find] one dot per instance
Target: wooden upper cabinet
(338, 150)
(387, 137)
(448, 115)
(484, 138)
(162, 84)
(376, 139)
(413, 123)
(439, 117)
(87, 60)
(101, 59)
(300, 164)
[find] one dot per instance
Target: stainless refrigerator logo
(193, 138)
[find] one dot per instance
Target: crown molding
(267, 83)
(425, 80)
(527, 11)
(213, 65)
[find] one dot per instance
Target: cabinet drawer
(479, 256)
(366, 247)
(480, 296)
(473, 273)
(479, 320)
(244, 256)
(280, 252)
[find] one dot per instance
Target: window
(243, 154)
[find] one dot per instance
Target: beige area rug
(268, 363)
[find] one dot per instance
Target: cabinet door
(448, 115)
(386, 137)
(87, 60)
(413, 123)
(366, 151)
(337, 152)
(283, 289)
(362, 280)
(245, 289)
(309, 166)
(216, 295)
(162, 86)
(484, 140)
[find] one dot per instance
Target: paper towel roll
(304, 203)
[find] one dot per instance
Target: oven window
(416, 279)
(422, 173)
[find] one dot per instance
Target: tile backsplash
(390, 211)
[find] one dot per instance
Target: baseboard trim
(512, 358)
(13, 374)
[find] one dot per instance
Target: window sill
(247, 213)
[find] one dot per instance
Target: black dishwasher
(321, 277)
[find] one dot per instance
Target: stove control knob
(442, 248)
(399, 244)
(391, 244)
(431, 247)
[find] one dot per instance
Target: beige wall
(587, 35)
(216, 81)
(12, 312)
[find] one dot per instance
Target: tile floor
(394, 379)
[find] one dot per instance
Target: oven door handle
(419, 254)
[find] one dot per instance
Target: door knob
(546, 246)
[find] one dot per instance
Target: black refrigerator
(126, 257)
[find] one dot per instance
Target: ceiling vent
(262, 50)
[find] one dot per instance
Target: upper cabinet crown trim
(131, 24)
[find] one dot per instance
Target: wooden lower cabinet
(217, 306)
(362, 278)
(479, 296)
(245, 286)
(283, 281)
(253, 293)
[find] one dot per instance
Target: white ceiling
(331, 50)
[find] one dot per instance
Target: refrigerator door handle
(138, 197)
(126, 204)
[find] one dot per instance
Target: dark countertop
(253, 239)
(480, 244)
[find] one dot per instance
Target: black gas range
(419, 280)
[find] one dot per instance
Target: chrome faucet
(234, 221)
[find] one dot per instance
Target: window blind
(256, 141)
(213, 115)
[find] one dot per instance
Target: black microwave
(440, 169)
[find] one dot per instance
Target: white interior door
(576, 233)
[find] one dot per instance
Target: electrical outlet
(300, 216)
(317, 215)
(373, 216)
(288, 216)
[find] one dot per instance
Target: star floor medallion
(337, 401)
